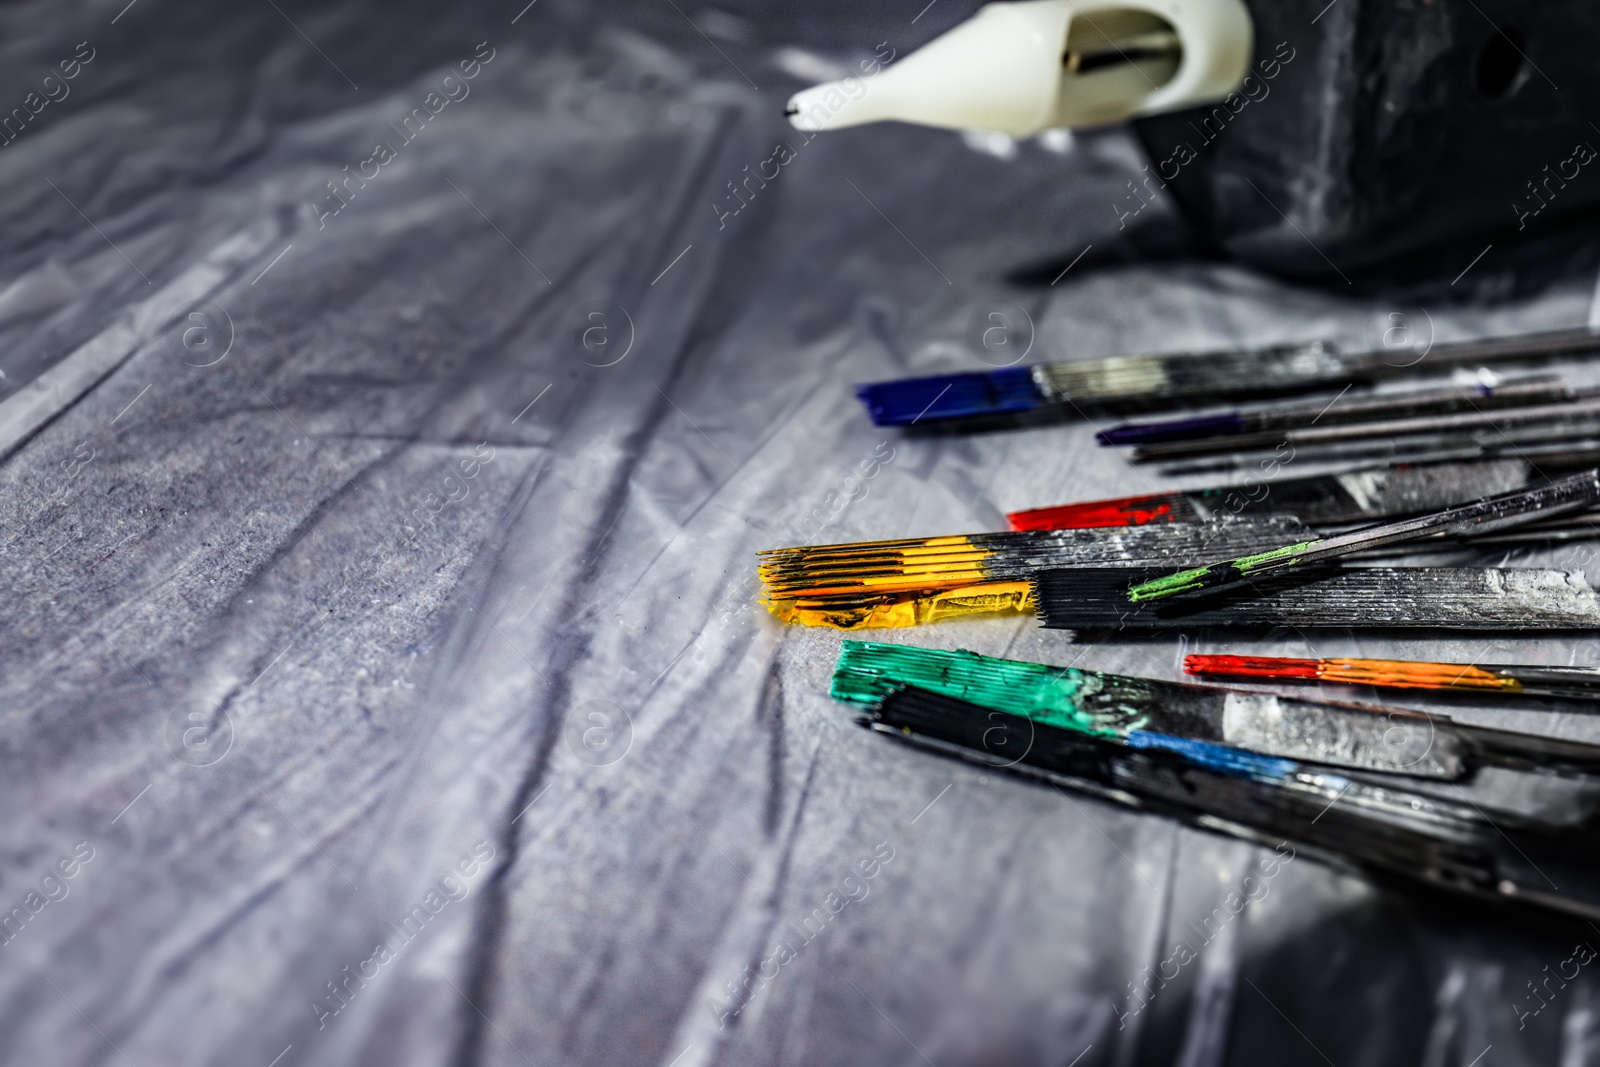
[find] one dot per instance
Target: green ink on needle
(1246, 564)
(1171, 585)
(1196, 578)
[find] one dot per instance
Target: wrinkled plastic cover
(382, 656)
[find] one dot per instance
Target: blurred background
(394, 398)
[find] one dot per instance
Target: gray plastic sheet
(382, 656)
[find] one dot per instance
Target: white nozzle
(1021, 68)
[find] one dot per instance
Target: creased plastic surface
(367, 609)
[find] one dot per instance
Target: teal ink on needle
(1227, 730)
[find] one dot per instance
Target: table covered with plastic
(395, 399)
